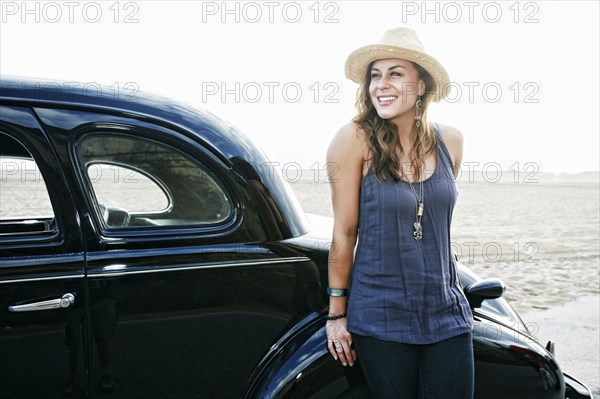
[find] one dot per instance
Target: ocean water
(541, 238)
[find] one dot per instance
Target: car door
(186, 293)
(41, 266)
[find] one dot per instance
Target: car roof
(224, 138)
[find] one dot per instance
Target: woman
(398, 299)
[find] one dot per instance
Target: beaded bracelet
(337, 291)
(337, 316)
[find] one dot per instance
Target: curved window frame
(175, 142)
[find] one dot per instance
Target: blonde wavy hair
(382, 134)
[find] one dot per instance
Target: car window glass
(119, 186)
(140, 183)
(25, 205)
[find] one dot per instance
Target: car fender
(513, 363)
(299, 365)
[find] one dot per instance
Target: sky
(525, 74)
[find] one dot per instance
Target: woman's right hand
(339, 342)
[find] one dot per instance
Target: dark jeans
(443, 370)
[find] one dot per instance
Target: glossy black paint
(480, 291)
(227, 310)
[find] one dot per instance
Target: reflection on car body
(148, 251)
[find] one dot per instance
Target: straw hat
(401, 43)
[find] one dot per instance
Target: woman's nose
(383, 82)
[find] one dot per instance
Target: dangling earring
(419, 113)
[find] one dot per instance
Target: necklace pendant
(418, 231)
(420, 209)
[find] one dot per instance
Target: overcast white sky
(525, 74)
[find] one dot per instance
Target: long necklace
(418, 233)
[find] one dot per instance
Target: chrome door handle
(65, 301)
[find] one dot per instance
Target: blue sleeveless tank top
(404, 290)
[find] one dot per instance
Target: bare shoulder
(453, 139)
(350, 133)
(348, 143)
(451, 135)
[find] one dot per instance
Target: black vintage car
(150, 250)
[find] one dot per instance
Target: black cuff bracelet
(337, 291)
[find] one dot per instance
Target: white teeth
(388, 98)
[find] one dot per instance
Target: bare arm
(346, 156)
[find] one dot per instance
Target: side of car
(156, 269)
(150, 250)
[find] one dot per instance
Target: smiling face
(394, 89)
